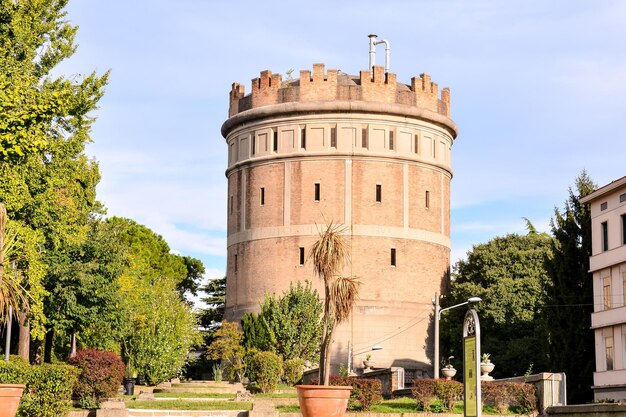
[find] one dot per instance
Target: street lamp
(438, 312)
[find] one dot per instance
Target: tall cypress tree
(569, 304)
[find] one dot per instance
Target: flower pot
(368, 364)
(10, 395)
(485, 368)
(448, 372)
(322, 400)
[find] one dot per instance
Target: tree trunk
(47, 355)
(23, 344)
(72, 345)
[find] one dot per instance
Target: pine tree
(569, 300)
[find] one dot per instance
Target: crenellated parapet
(333, 85)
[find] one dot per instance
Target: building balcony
(608, 258)
(610, 317)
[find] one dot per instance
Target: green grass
(189, 405)
(197, 385)
(277, 395)
(192, 395)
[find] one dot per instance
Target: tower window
(317, 191)
(231, 204)
(393, 256)
(275, 141)
(379, 193)
(391, 140)
(262, 196)
(427, 199)
(301, 256)
(303, 138)
(333, 137)
(364, 138)
(235, 262)
(605, 237)
(416, 144)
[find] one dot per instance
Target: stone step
(184, 413)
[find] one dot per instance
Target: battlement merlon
(374, 85)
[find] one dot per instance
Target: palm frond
(343, 295)
(329, 253)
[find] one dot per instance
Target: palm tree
(328, 255)
(12, 294)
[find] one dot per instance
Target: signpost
(471, 365)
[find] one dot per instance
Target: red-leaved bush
(100, 376)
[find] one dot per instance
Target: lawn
(192, 395)
(189, 405)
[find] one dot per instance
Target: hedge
(365, 392)
(48, 391)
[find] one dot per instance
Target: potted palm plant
(12, 295)
(328, 256)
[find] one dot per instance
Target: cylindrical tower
(365, 151)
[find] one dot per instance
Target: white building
(608, 265)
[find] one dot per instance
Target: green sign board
(470, 377)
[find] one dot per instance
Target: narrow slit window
(391, 140)
(623, 229)
(416, 144)
(364, 138)
(393, 256)
(317, 191)
(253, 145)
(605, 237)
(235, 263)
(230, 203)
(301, 256)
(275, 141)
(379, 193)
(262, 196)
(333, 137)
(427, 199)
(303, 138)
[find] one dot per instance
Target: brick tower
(365, 151)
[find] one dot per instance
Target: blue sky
(538, 91)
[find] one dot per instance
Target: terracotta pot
(322, 400)
(10, 395)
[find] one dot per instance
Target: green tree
(508, 273)
(215, 290)
(191, 282)
(291, 325)
(228, 348)
(569, 300)
(48, 184)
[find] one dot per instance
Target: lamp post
(351, 354)
(438, 311)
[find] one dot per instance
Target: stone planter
(322, 400)
(368, 364)
(448, 373)
(10, 395)
(486, 368)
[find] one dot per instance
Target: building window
(303, 138)
(623, 347)
(623, 229)
(427, 199)
(235, 263)
(624, 295)
(603, 206)
(317, 191)
(364, 138)
(416, 144)
(262, 196)
(391, 140)
(622, 198)
(333, 137)
(606, 291)
(608, 349)
(379, 193)
(605, 237)
(301, 256)
(434, 148)
(276, 141)
(253, 145)
(230, 204)
(393, 256)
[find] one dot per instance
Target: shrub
(525, 397)
(423, 390)
(497, 394)
(448, 392)
(266, 369)
(293, 370)
(365, 392)
(48, 389)
(100, 376)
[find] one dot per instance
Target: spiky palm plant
(11, 291)
(328, 256)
